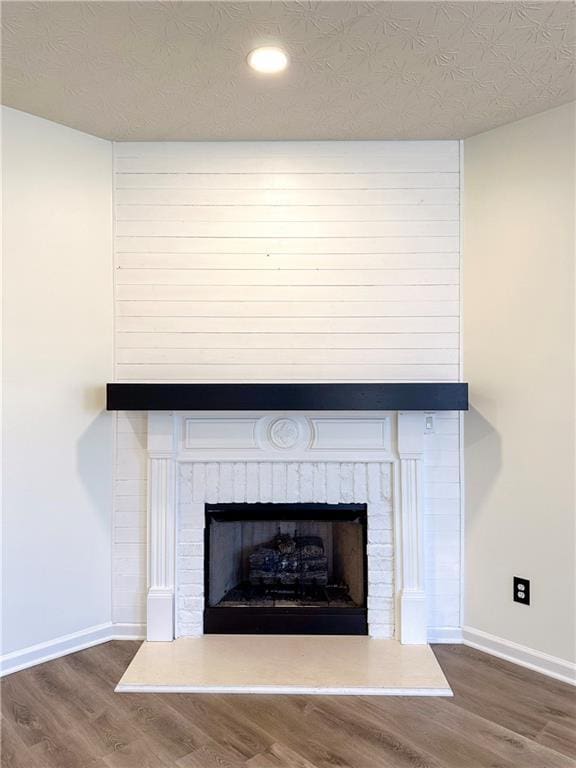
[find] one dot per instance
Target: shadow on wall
(94, 452)
(94, 399)
(483, 455)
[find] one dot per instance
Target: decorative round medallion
(284, 433)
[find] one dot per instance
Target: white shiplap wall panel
(241, 212)
(298, 261)
(277, 261)
(417, 281)
(287, 245)
(300, 341)
(350, 230)
(206, 191)
(315, 325)
(391, 186)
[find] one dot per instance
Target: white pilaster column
(412, 597)
(161, 527)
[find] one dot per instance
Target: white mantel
(334, 457)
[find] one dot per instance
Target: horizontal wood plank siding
(296, 261)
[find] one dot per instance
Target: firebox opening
(286, 568)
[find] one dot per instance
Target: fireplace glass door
(285, 569)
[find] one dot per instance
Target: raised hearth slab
(287, 397)
(280, 664)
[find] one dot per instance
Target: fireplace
(313, 477)
(303, 447)
(286, 569)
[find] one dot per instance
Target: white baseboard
(128, 632)
(52, 649)
(537, 661)
(552, 666)
(445, 635)
(61, 646)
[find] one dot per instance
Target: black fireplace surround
(285, 569)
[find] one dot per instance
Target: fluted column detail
(412, 597)
(161, 524)
(412, 523)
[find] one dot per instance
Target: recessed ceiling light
(269, 60)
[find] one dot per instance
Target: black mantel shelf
(287, 397)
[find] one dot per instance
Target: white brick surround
(198, 458)
(282, 482)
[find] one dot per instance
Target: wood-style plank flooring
(65, 714)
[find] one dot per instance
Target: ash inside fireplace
(291, 596)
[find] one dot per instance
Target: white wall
(58, 342)
(288, 261)
(519, 360)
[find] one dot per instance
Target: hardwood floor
(64, 714)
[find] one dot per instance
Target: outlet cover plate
(521, 590)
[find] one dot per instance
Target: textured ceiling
(359, 70)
